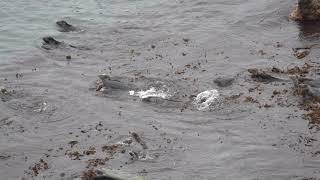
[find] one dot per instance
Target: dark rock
(224, 81)
(309, 9)
(307, 88)
(306, 10)
(65, 27)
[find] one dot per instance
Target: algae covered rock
(306, 10)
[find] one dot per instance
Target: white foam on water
(43, 107)
(205, 99)
(131, 93)
(152, 92)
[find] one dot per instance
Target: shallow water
(185, 44)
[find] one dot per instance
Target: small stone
(68, 57)
(301, 53)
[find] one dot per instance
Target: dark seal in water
(50, 43)
(65, 27)
(306, 10)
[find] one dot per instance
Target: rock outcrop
(306, 10)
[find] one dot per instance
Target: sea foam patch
(205, 99)
(152, 92)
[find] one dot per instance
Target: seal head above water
(65, 27)
(50, 43)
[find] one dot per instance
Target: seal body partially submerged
(50, 43)
(65, 27)
(111, 84)
(306, 10)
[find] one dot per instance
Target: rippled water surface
(53, 109)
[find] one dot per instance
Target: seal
(65, 27)
(306, 10)
(50, 43)
(50, 40)
(262, 76)
(106, 82)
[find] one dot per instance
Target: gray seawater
(53, 104)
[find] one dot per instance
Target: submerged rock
(307, 88)
(110, 174)
(314, 88)
(65, 27)
(306, 10)
(224, 81)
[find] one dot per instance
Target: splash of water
(205, 99)
(152, 92)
